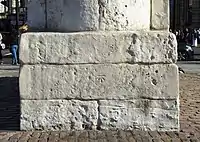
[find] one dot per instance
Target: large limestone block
(124, 14)
(161, 115)
(72, 15)
(36, 14)
(98, 47)
(58, 115)
(160, 14)
(99, 81)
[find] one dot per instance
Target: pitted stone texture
(58, 115)
(112, 81)
(72, 15)
(92, 15)
(160, 14)
(98, 47)
(124, 14)
(161, 115)
(36, 14)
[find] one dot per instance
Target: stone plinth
(98, 47)
(117, 74)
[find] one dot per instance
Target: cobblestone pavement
(10, 110)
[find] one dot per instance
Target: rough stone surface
(160, 14)
(124, 14)
(124, 78)
(84, 15)
(161, 115)
(72, 15)
(112, 81)
(36, 14)
(98, 47)
(9, 119)
(58, 115)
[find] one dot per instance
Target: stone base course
(9, 119)
(103, 115)
(58, 115)
(99, 81)
(98, 47)
(148, 115)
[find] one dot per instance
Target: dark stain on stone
(154, 81)
(87, 126)
(130, 49)
(152, 57)
(113, 120)
(146, 107)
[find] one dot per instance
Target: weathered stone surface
(72, 15)
(36, 14)
(161, 115)
(124, 14)
(84, 15)
(160, 14)
(58, 115)
(100, 81)
(98, 47)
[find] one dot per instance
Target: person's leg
(14, 54)
(17, 59)
(12, 51)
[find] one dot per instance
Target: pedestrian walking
(14, 48)
(194, 38)
(198, 36)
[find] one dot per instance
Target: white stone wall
(84, 15)
(120, 73)
(129, 76)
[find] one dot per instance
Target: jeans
(14, 49)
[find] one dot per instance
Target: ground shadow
(9, 103)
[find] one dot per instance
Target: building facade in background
(8, 14)
(184, 14)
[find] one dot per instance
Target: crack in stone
(99, 123)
